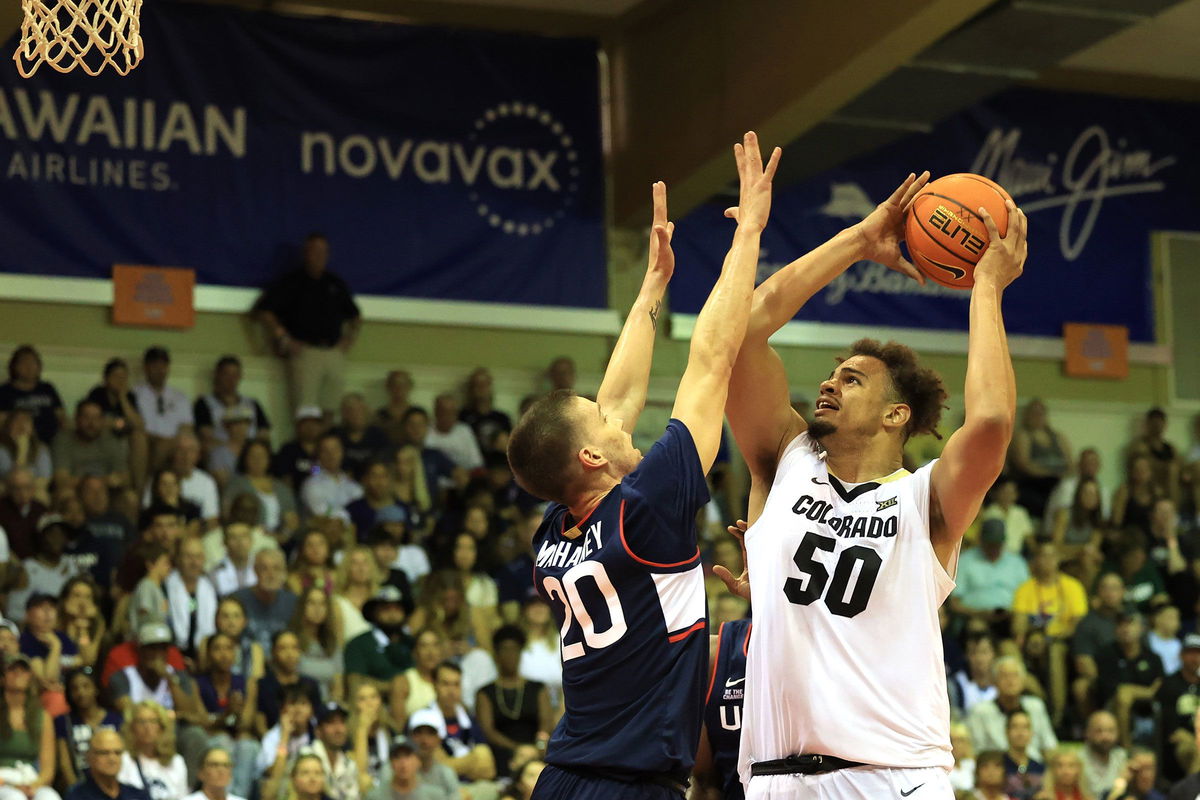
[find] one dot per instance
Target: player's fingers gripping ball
(944, 233)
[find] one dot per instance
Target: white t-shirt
(413, 560)
(459, 445)
(176, 409)
(162, 782)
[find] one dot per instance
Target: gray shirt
(424, 791)
(102, 456)
(148, 604)
(264, 621)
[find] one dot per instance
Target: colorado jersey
(627, 589)
(846, 658)
(723, 709)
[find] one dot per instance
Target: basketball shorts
(558, 784)
(857, 783)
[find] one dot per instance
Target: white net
(89, 34)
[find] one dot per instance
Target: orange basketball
(945, 235)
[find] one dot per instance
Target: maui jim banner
(440, 164)
(1095, 175)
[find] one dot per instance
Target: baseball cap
(153, 633)
(386, 595)
(329, 710)
(15, 659)
(10, 626)
(401, 743)
(48, 520)
(425, 718)
(992, 531)
(1191, 641)
(308, 412)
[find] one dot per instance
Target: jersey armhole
(639, 559)
(716, 662)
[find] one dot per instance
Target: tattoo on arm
(654, 313)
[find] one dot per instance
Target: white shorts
(856, 783)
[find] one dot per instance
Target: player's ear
(590, 457)
(897, 415)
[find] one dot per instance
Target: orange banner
(157, 297)
(1096, 351)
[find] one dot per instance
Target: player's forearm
(623, 390)
(990, 392)
(721, 324)
(779, 297)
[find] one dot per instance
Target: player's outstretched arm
(974, 456)
(622, 393)
(759, 407)
(717, 337)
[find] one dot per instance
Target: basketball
(945, 236)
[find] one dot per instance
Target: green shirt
(372, 655)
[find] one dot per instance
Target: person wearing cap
(310, 315)
(464, 747)
(26, 737)
(1129, 676)
(215, 774)
(296, 459)
(210, 409)
(343, 781)
(382, 654)
(89, 449)
(987, 578)
(406, 782)
(223, 455)
(432, 772)
(50, 651)
(1178, 701)
(47, 571)
(100, 781)
(269, 604)
(165, 410)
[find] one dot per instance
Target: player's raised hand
(662, 259)
(883, 229)
(754, 196)
(739, 585)
(1004, 259)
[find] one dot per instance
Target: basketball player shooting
(850, 554)
(616, 555)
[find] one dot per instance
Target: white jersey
(846, 657)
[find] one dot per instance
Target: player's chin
(820, 428)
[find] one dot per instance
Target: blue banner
(1094, 174)
(439, 163)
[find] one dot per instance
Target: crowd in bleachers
(350, 613)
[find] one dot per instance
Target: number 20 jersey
(846, 657)
(628, 595)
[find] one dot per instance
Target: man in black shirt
(1178, 700)
(1128, 676)
(313, 320)
(104, 764)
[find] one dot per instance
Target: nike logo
(910, 791)
(820, 483)
(956, 272)
(729, 683)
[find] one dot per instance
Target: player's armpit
(759, 409)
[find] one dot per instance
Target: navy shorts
(558, 784)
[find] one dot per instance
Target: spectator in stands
(1081, 524)
(1139, 781)
(482, 597)
(987, 719)
(1163, 638)
(397, 561)
(316, 627)
(976, 683)
(1171, 546)
(48, 649)
(372, 727)
(89, 449)
(230, 701)
(288, 738)
(1088, 469)
(1064, 779)
(429, 650)
(119, 406)
(210, 409)
(330, 489)
(26, 734)
(248, 659)
(1002, 504)
(297, 459)
(46, 572)
(1022, 772)
(223, 457)
(26, 390)
(283, 673)
(236, 570)
(149, 601)
(390, 418)
(429, 749)
(406, 780)
(217, 767)
(278, 513)
(1094, 634)
(80, 620)
(441, 473)
(412, 488)
(526, 779)
(357, 580)
(166, 411)
(313, 321)
(561, 373)
(20, 447)
(151, 761)
(1165, 461)
(191, 597)
(962, 776)
(450, 436)
(342, 778)
(1144, 584)
(443, 606)
(987, 580)
(379, 504)
(313, 564)
(479, 412)
(100, 519)
(1134, 500)
(161, 526)
(20, 512)
(1129, 676)
(1178, 701)
(74, 729)
(464, 748)
(308, 778)
(381, 655)
(1103, 759)
(362, 442)
(540, 660)
(512, 710)
(268, 604)
(1039, 457)
(100, 782)
(164, 492)
(194, 483)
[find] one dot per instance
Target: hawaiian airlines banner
(1095, 175)
(440, 164)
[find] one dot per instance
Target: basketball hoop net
(89, 34)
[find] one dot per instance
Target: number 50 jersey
(627, 589)
(846, 656)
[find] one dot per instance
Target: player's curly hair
(542, 445)
(918, 387)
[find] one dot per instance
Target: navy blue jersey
(627, 588)
(723, 708)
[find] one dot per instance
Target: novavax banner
(1096, 175)
(440, 164)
